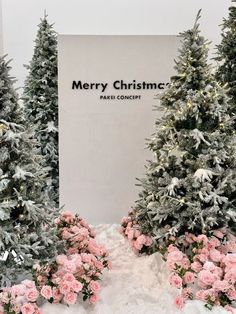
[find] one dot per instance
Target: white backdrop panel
(102, 142)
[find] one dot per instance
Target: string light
(21, 217)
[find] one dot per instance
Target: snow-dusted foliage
(226, 57)
(26, 234)
(41, 100)
(191, 182)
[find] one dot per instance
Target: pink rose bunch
(20, 299)
(204, 268)
(79, 269)
(139, 242)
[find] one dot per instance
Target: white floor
(136, 285)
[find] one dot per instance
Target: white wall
(20, 18)
(1, 33)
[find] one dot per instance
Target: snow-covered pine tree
(226, 56)
(41, 100)
(26, 224)
(191, 184)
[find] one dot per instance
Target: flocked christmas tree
(226, 55)
(26, 232)
(41, 100)
(190, 184)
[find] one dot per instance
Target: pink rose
(210, 293)
(131, 234)
(186, 293)
(149, 241)
(172, 248)
(201, 295)
(196, 266)
(215, 255)
(67, 214)
(209, 266)
(86, 258)
(93, 299)
(185, 263)
(69, 277)
(214, 242)
(221, 285)
(202, 238)
(77, 286)
(70, 298)
(188, 277)
(188, 237)
(98, 265)
(125, 220)
(137, 233)
(75, 229)
(230, 260)
(27, 308)
(93, 247)
(176, 256)
(32, 294)
(70, 266)
(61, 259)
(137, 245)
(72, 250)
(231, 294)
(205, 278)
(18, 290)
(170, 264)
(203, 257)
(57, 296)
(65, 287)
(46, 292)
(141, 239)
(231, 275)
(94, 286)
(231, 246)
(84, 232)
(179, 302)
(176, 281)
(28, 283)
(66, 235)
(218, 271)
(76, 258)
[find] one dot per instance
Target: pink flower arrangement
(79, 269)
(20, 299)
(203, 268)
(139, 242)
(75, 272)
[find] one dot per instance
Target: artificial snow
(135, 285)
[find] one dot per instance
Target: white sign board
(107, 90)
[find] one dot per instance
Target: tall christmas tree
(226, 55)
(41, 100)
(26, 224)
(190, 184)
